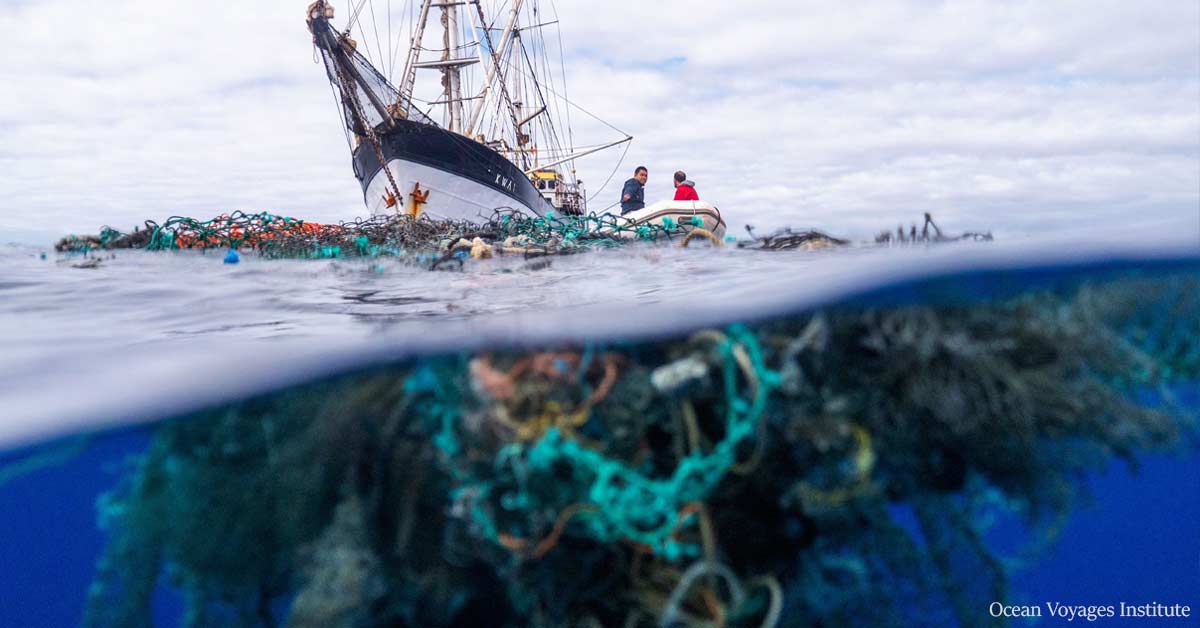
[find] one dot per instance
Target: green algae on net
(738, 477)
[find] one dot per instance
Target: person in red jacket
(685, 190)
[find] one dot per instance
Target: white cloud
(1011, 116)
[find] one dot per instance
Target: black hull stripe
(451, 153)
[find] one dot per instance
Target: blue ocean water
(103, 356)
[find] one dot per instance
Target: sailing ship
(494, 134)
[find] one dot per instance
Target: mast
(450, 76)
(498, 56)
(448, 64)
(409, 77)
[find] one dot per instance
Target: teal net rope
(420, 239)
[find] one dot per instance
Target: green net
(421, 239)
(745, 476)
(425, 240)
(625, 504)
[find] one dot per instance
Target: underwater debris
(674, 376)
(737, 477)
(344, 577)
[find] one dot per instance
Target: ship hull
(443, 175)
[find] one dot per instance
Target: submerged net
(747, 476)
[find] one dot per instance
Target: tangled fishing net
(400, 235)
(424, 240)
(747, 476)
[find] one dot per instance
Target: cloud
(1015, 116)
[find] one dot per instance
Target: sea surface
(98, 351)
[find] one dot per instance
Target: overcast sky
(1015, 116)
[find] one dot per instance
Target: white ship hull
(447, 196)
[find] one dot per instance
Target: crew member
(633, 195)
(685, 190)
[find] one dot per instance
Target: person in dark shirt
(633, 195)
(685, 190)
